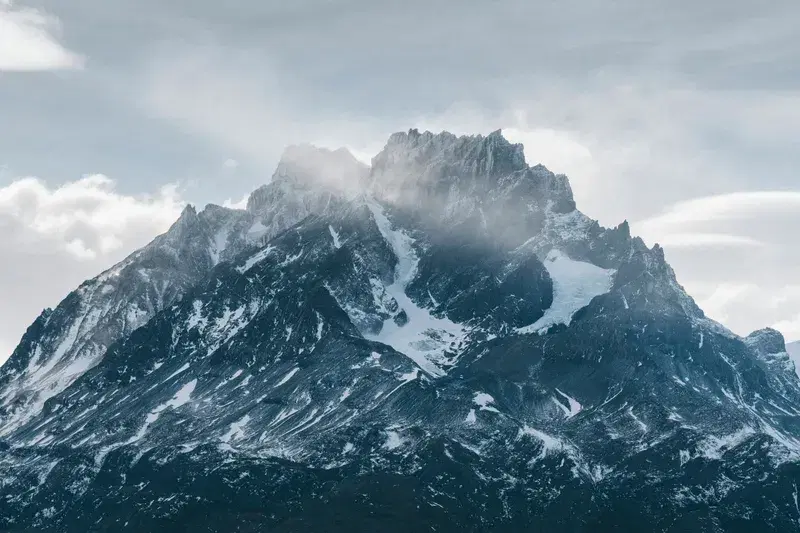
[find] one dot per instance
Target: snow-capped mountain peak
(451, 342)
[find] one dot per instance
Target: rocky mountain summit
(440, 341)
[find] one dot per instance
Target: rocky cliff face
(447, 344)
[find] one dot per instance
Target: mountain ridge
(457, 347)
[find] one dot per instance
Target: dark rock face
(455, 349)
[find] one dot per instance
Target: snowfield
(575, 283)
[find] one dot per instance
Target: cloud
(790, 328)
(718, 303)
(226, 97)
(53, 238)
(27, 42)
(723, 207)
(774, 306)
(705, 239)
(241, 203)
(241, 100)
(86, 218)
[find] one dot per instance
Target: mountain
(441, 341)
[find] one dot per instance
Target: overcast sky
(682, 117)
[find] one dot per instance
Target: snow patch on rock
(336, 242)
(575, 284)
(484, 401)
(574, 405)
(254, 259)
(236, 430)
(425, 339)
(393, 440)
(287, 377)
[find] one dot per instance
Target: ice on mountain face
(636, 419)
(183, 368)
(575, 283)
(255, 259)
(218, 244)
(714, 447)
(549, 443)
(560, 229)
(287, 377)
(401, 243)
(409, 376)
(471, 418)
(236, 430)
(225, 381)
(47, 375)
(336, 243)
(424, 338)
(320, 326)
(196, 319)
(393, 440)
(182, 397)
(374, 360)
(326, 414)
(345, 394)
(117, 302)
(231, 322)
(484, 401)
(574, 406)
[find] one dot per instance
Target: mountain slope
(65, 342)
(454, 347)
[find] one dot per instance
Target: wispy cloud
(767, 305)
(28, 42)
(706, 240)
(240, 100)
(722, 207)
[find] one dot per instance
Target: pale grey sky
(682, 117)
